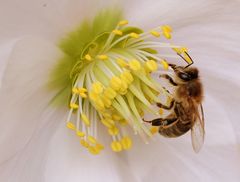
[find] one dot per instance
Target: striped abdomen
(178, 128)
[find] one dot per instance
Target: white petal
(24, 98)
(48, 19)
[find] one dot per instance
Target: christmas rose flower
(79, 77)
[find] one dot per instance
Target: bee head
(186, 74)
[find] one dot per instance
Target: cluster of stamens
(112, 86)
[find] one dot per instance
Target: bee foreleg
(169, 78)
(166, 107)
(173, 66)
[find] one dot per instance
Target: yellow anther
(110, 93)
(97, 87)
(116, 117)
(116, 146)
(108, 122)
(167, 31)
(126, 143)
(83, 95)
(123, 22)
(115, 83)
(151, 65)
(122, 63)
(99, 104)
(113, 131)
(155, 33)
(71, 126)
(161, 111)
(123, 122)
(167, 35)
(106, 101)
(92, 140)
(187, 58)
(85, 119)
(165, 64)
(93, 150)
(82, 90)
(93, 96)
(73, 106)
(167, 28)
(123, 88)
(134, 35)
(99, 146)
(103, 57)
(135, 65)
(117, 32)
(127, 76)
(107, 115)
(154, 130)
(84, 143)
(75, 90)
(80, 134)
(88, 57)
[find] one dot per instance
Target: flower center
(112, 85)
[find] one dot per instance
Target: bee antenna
(186, 60)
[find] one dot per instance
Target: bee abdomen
(176, 130)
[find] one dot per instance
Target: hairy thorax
(190, 90)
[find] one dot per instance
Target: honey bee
(187, 111)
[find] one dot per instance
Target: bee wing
(198, 131)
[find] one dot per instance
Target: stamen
(126, 143)
(134, 35)
(102, 57)
(122, 63)
(71, 126)
(97, 87)
(155, 33)
(123, 22)
(151, 65)
(154, 130)
(161, 111)
(73, 106)
(85, 119)
(135, 65)
(80, 134)
(165, 64)
(113, 131)
(115, 83)
(117, 32)
(116, 146)
(88, 57)
(92, 140)
(75, 91)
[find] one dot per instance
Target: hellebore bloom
(100, 80)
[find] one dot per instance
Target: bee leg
(166, 107)
(168, 121)
(166, 76)
(173, 66)
(161, 121)
(155, 122)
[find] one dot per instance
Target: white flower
(34, 142)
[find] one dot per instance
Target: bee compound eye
(184, 76)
